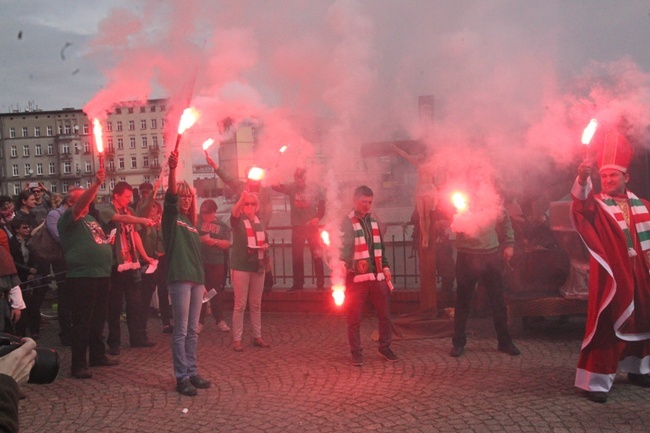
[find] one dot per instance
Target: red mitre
(615, 152)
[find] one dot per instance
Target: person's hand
(265, 247)
(210, 162)
(173, 159)
(33, 271)
(20, 361)
(15, 315)
(508, 253)
(100, 176)
(147, 222)
(584, 173)
(387, 274)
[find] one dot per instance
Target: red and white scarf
(641, 219)
(255, 239)
(361, 258)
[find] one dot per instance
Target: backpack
(42, 245)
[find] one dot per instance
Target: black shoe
(168, 329)
(457, 351)
(639, 379)
(82, 373)
(357, 359)
(114, 350)
(387, 354)
(200, 382)
(294, 289)
(510, 349)
(597, 396)
(145, 343)
(21, 394)
(104, 362)
(185, 387)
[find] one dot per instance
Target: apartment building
(57, 148)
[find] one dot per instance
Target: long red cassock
(617, 334)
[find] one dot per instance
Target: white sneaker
(223, 326)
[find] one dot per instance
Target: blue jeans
(186, 298)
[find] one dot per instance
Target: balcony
(154, 149)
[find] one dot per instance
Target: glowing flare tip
(338, 293)
(207, 143)
(460, 201)
(325, 236)
(284, 148)
(256, 173)
(589, 131)
(97, 131)
(188, 118)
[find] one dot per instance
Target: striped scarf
(361, 258)
(255, 239)
(641, 219)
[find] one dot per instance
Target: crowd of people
(114, 259)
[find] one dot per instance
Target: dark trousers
(149, 284)
(89, 308)
(300, 234)
(213, 280)
(126, 289)
(485, 269)
(356, 295)
(64, 310)
(33, 295)
(445, 264)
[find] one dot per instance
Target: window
(152, 108)
(162, 123)
(59, 129)
(86, 129)
(14, 152)
(65, 148)
(28, 169)
(49, 131)
(120, 163)
(52, 168)
(38, 150)
(154, 142)
(26, 150)
(53, 187)
(111, 165)
(120, 143)
(111, 184)
(12, 132)
(118, 111)
(39, 168)
(64, 187)
(88, 184)
(86, 147)
(154, 162)
(162, 108)
(88, 167)
(154, 123)
(131, 125)
(25, 131)
(67, 130)
(134, 162)
(50, 149)
(16, 188)
(132, 142)
(146, 179)
(37, 131)
(143, 109)
(144, 142)
(119, 125)
(103, 186)
(122, 179)
(143, 124)
(130, 110)
(109, 126)
(14, 170)
(145, 161)
(67, 167)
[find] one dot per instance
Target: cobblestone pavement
(305, 383)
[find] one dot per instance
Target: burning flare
(460, 201)
(207, 143)
(284, 148)
(188, 118)
(325, 236)
(256, 173)
(589, 132)
(97, 131)
(338, 293)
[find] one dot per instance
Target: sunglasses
(248, 203)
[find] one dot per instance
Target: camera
(46, 364)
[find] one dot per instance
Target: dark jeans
(149, 284)
(89, 308)
(311, 234)
(126, 288)
(31, 315)
(445, 264)
(64, 310)
(213, 280)
(356, 295)
(485, 269)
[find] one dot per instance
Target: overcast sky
(522, 78)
